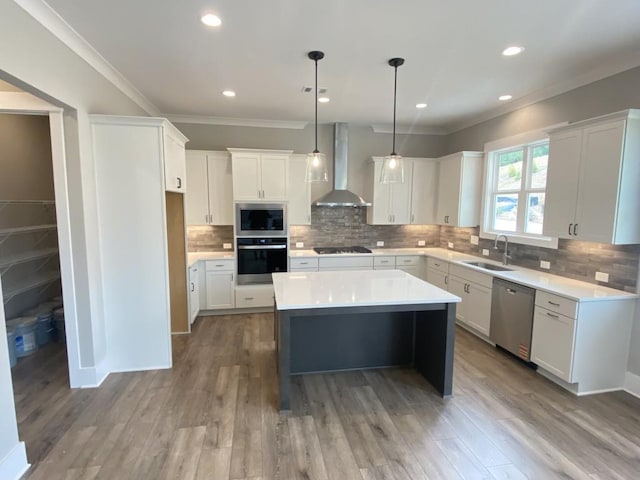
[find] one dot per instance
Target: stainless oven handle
(262, 247)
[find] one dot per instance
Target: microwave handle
(262, 247)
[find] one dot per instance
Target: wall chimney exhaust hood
(340, 196)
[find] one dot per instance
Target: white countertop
(565, 287)
(296, 290)
(193, 257)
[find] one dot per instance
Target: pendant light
(316, 161)
(392, 165)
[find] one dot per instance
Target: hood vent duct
(340, 196)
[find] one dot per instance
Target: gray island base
(341, 327)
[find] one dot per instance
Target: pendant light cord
(316, 89)
(395, 85)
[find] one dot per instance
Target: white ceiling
(452, 51)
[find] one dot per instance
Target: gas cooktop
(335, 250)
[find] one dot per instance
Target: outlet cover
(227, 246)
(544, 264)
(421, 243)
(299, 244)
(485, 252)
(475, 239)
(379, 243)
(450, 244)
(602, 277)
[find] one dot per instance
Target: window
(515, 192)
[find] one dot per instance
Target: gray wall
(364, 143)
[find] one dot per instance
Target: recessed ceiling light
(511, 51)
(324, 99)
(421, 105)
(229, 93)
(211, 20)
(504, 98)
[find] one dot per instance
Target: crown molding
(236, 122)
(408, 129)
(52, 21)
(600, 73)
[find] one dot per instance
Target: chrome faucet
(505, 255)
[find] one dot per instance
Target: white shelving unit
(42, 280)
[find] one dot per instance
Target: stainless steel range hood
(340, 196)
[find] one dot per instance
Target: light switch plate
(485, 252)
(475, 240)
(602, 277)
(450, 244)
(544, 264)
(379, 243)
(421, 243)
(299, 244)
(227, 246)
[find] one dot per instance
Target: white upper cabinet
(260, 175)
(175, 170)
(391, 202)
(593, 184)
(209, 200)
(460, 189)
(299, 209)
(424, 191)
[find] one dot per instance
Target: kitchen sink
(490, 266)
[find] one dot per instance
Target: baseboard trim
(90, 377)
(14, 464)
(632, 384)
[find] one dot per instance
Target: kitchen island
(344, 320)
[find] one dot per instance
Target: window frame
(490, 191)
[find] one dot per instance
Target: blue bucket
(11, 340)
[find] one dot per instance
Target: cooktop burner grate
(336, 250)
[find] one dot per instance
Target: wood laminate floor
(213, 416)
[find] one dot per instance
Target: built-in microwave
(261, 220)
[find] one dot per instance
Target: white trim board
(15, 464)
(632, 384)
(236, 122)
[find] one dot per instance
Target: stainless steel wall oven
(259, 257)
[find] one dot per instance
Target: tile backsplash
(346, 226)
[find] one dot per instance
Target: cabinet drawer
(471, 275)
(303, 263)
(219, 265)
(254, 296)
(437, 264)
(557, 304)
(405, 261)
(353, 263)
(384, 261)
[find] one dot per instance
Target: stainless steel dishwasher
(512, 317)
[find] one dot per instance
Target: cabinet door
(197, 197)
(457, 286)
(552, 342)
(400, 200)
(219, 174)
(194, 292)
(220, 290)
(274, 169)
(437, 278)
(299, 207)
(246, 177)
(600, 169)
(412, 270)
(175, 170)
(478, 307)
(449, 176)
(424, 192)
(562, 183)
(380, 211)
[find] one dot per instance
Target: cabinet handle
(179, 182)
(304, 263)
(552, 315)
(436, 264)
(553, 303)
(193, 287)
(248, 298)
(219, 265)
(446, 219)
(446, 279)
(570, 225)
(511, 291)
(575, 229)
(412, 218)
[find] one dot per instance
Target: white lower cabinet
(387, 262)
(412, 264)
(194, 291)
(252, 296)
(438, 278)
(303, 264)
(475, 289)
(552, 342)
(345, 263)
(219, 278)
